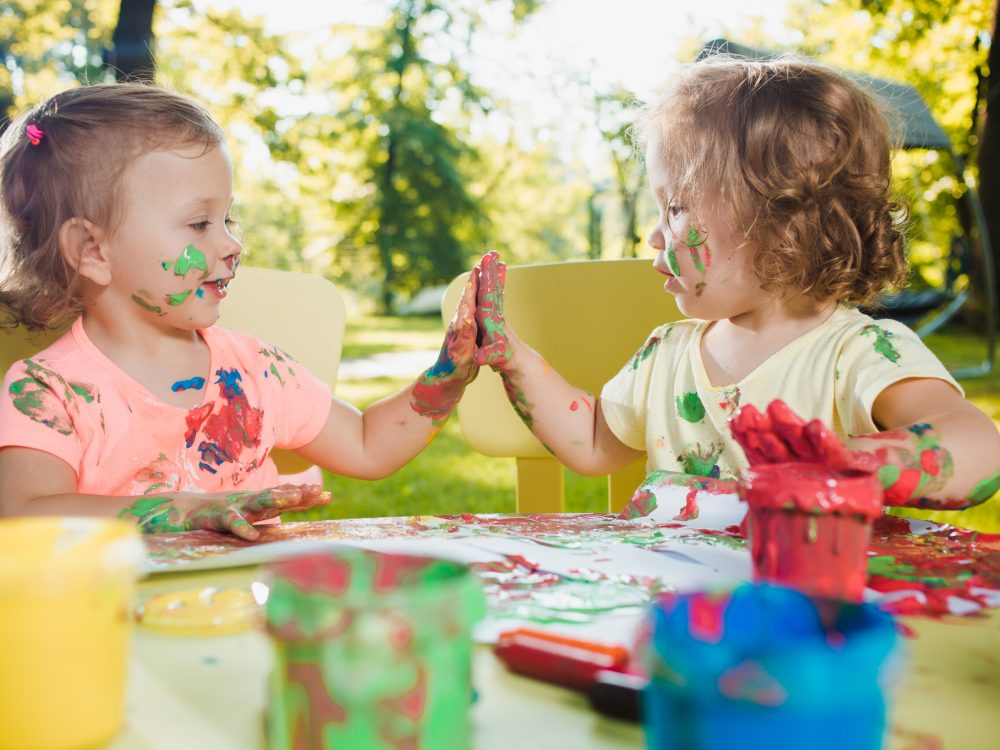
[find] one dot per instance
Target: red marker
(554, 658)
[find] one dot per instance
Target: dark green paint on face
(145, 304)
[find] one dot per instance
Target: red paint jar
(809, 526)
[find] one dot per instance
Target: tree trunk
(131, 53)
(389, 199)
(989, 148)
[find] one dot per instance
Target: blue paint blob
(200, 292)
(194, 384)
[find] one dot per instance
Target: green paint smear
(699, 462)
(985, 489)
(882, 344)
(191, 258)
(672, 261)
(887, 475)
(83, 391)
(690, 407)
(145, 305)
(176, 299)
(274, 371)
(887, 567)
(696, 257)
(696, 238)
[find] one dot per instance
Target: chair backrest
(586, 318)
(302, 314)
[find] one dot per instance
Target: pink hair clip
(35, 134)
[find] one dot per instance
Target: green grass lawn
(448, 477)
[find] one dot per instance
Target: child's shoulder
(851, 325)
(64, 355)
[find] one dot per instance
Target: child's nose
(655, 239)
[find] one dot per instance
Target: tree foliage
(939, 47)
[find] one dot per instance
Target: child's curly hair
(797, 157)
(64, 159)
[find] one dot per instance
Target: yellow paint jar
(66, 592)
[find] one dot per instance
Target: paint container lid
(811, 488)
(766, 645)
(52, 555)
(318, 596)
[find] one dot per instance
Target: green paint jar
(372, 651)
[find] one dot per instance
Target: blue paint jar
(764, 666)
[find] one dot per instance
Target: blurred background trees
(374, 156)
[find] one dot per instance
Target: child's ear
(82, 244)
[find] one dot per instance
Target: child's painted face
(174, 252)
(709, 270)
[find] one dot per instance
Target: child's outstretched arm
(567, 420)
(33, 482)
(375, 443)
(936, 451)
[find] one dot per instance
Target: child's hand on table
(232, 512)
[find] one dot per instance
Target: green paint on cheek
(690, 408)
(672, 261)
(176, 299)
(985, 489)
(191, 258)
(695, 237)
(145, 304)
(696, 259)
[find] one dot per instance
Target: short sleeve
(304, 401)
(38, 410)
(874, 357)
(624, 398)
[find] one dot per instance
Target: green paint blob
(176, 299)
(985, 489)
(191, 258)
(888, 475)
(882, 343)
(672, 260)
(274, 371)
(690, 408)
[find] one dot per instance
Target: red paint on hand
(494, 347)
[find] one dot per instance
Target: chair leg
(540, 486)
(623, 483)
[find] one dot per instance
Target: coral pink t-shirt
(70, 400)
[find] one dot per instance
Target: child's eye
(676, 216)
(200, 226)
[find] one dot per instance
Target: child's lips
(217, 288)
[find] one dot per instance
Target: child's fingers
(791, 429)
(237, 525)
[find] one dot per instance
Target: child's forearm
(950, 462)
(565, 419)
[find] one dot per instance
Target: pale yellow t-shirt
(662, 402)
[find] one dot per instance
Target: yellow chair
(586, 318)
(302, 314)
